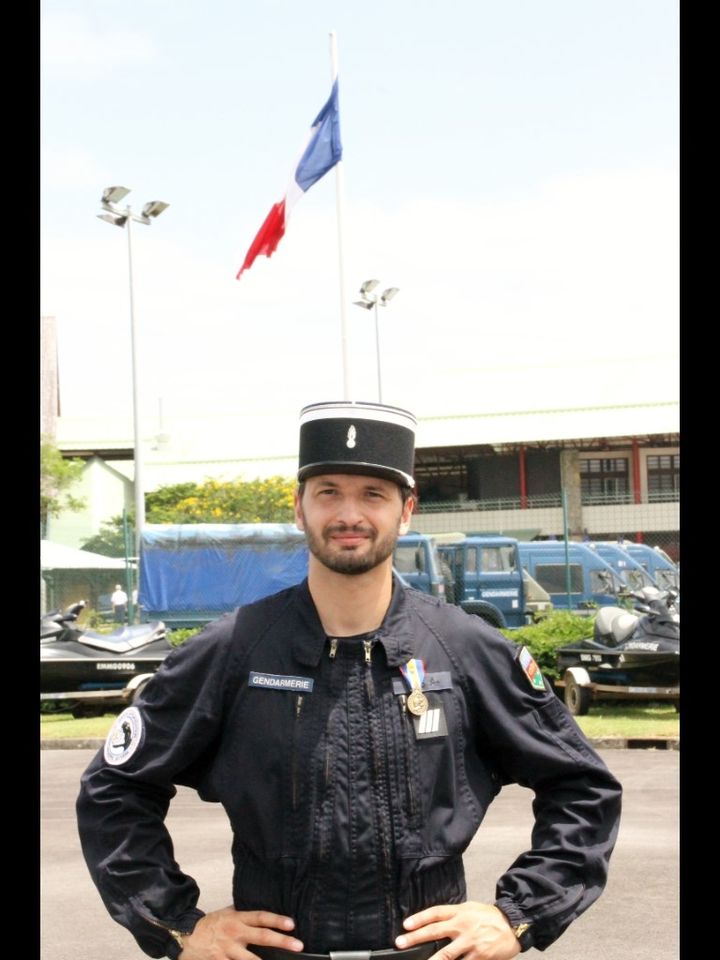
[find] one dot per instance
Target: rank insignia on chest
(530, 669)
(431, 723)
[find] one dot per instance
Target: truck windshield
(666, 579)
(603, 581)
(498, 559)
(409, 558)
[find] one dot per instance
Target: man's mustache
(357, 528)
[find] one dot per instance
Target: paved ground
(636, 919)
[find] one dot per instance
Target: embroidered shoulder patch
(125, 737)
(531, 669)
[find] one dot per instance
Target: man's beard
(348, 561)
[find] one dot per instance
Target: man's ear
(407, 510)
(299, 520)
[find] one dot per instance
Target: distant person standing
(119, 604)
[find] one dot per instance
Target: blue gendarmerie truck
(481, 574)
(196, 572)
(577, 579)
(193, 573)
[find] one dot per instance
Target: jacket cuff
(185, 924)
(515, 918)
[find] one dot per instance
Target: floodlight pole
(370, 299)
(121, 218)
(137, 449)
(377, 351)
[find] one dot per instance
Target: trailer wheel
(138, 691)
(577, 698)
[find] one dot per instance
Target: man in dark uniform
(356, 732)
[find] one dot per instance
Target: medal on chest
(414, 673)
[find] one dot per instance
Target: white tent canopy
(57, 556)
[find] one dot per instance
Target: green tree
(214, 501)
(57, 476)
(109, 541)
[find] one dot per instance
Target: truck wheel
(488, 617)
(577, 698)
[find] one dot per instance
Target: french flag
(322, 151)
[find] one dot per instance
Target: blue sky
(512, 167)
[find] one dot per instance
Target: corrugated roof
(270, 436)
(57, 556)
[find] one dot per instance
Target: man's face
(351, 522)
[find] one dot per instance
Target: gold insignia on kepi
(531, 669)
(350, 442)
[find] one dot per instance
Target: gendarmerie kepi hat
(354, 437)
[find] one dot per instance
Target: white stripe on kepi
(430, 721)
(358, 410)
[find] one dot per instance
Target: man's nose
(350, 511)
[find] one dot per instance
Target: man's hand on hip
(225, 935)
(477, 931)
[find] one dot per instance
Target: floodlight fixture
(114, 194)
(116, 219)
(388, 295)
(366, 304)
(154, 208)
(368, 286)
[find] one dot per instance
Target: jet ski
(76, 660)
(630, 654)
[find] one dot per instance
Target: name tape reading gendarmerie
(275, 681)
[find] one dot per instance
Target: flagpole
(339, 202)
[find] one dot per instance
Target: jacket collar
(394, 633)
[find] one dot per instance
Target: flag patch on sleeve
(531, 669)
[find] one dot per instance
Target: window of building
(604, 478)
(663, 476)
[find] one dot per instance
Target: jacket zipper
(406, 724)
(379, 770)
(296, 751)
(175, 934)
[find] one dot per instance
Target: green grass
(604, 720)
(56, 725)
(630, 720)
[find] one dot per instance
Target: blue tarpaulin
(199, 571)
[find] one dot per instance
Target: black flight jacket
(349, 813)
